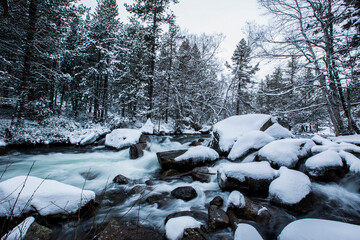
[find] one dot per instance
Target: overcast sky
(210, 16)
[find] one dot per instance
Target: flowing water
(94, 168)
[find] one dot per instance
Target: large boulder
(286, 152)
(184, 160)
(122, 138)
(278, 132)
(180, 228)
(253, 178)
(228, 130)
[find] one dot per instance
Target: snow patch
(198, 154)
(352, 161)
(121, 138)
(23, 194)
(253, 140)
(175, 227)
(278, 132)
(319, 229)
(245, 231)
(235, 199)
(323, 160)
(291, 187)
(148, 127)
(19, 232)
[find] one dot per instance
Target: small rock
(185, 193)
(217, 218)
(159, 199)
(169, 173)
(137, 189)
(89, 175)
(149, 182)
(195, 143)
(38, 232)
(194, 234)
(217, 201)
(201, 174)
(121, 179)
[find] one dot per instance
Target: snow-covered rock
(253, 177)
(319, 229)
(122, 138)
(278, 132)
(175, 227)
(22, 194)
(245, 231)
(228, 130)
(190, 132)
(290, 187)
(352, 161)
(253, 140)
(286, 152)
(353, 139)
(348, 147)
(148, 127)
(322, 141)
(19, 232)
(320, 164)
(89, 139)
(198, 154)
(235, 199)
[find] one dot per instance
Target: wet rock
(194, 234)
(137, 189)
(185, 193)
(89, 175)
(159, 199)
(197, 215)
(201, 174)
(217, 201)
(169, 173)
(143, 138)
(117, 230)
(149, 182)
(38, 232)
(166, 160)
(195, 143)
(3, 150)
(121, 179)
(217, 218)
(137, 150)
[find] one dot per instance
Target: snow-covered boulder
(253, 177)
(351, 161)
(23, 194)
(248, 142)
(286, 152)
(89, 139)
(348, 147)
(353, 139)
(319, 140)
(326, 166)
(122, 138)
(19, 232)
(319, 229)
(186, 159)
(228, 130)
(290, 188)
(148, 127)
(246, 231)
(175, 227)
(278, 132)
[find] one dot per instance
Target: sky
(228, 17)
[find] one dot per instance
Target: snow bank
(190, 132)
(121, 138)
(291, 187)
(254, 170)
(354, 139)
(336, 147)
(319, 229)
(175, 227)
(278, 132)
(323, 160)
(245, 231)
(286, 152)
(231, 128)
(23, 194)
(148, 127)
(253, 140)
(19, 232)
(235, 199)
(199, 154)
(352, 161)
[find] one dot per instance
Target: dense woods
(58, 58)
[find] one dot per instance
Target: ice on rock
(278, 132)
(245, 231)
(290, 187)
(323, 160)
(19, 232)
(121, 138)
(319, 229)
(175, 227)
(198, 154)
(253, 140)
(352, 161)
(228, 130)
(286, 152)
(148, 127)
(235, 199)
(22, 194)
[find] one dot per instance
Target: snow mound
(235, 199)
(290, 188)
(286, 152)
(175, 227)
(323, 160)
(354, 139)
(121, 138)
(253, 140)
(23, 194)
(319, 229)
(254, 170)
(348, 147)
(322, 141)
(352, 161)
(19, 232)
(198, 154)
(148, 127)
(245, 231)
(278, 132)
(229, 129)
